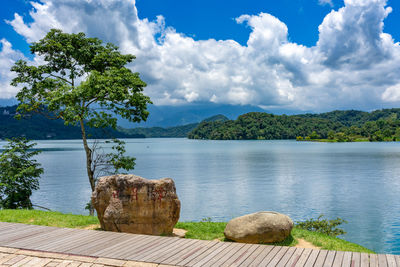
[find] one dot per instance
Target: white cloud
(325, 2)
(392, 93)
(353, 64)
(7, 58)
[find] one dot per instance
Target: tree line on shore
(339, 126)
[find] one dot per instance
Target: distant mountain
(39, 127)
(5, 102)
(169, 116)
(176, 131)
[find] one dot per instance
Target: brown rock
(132, 204)
(260, 227)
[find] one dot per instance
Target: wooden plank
(240, 255)
(303, 257)
(15, 233)
(259, 249)
(157, 244)
(312, 258)
(71, 237)
(347, 259)
(356, 259)
(100, 245)
(278, 256)
(295, 257)
(206, 247)
(208, 254)
(124, 253)
(286, 257)
(224, 247)
(168, 251)
(79, 241)
(382, 262)
(397, 257)
(59, 244)
(178, 248)
(7, 239)
(165, 243)
(179, 256)
(373, 260)
(122, 247)
(364, 260)
(330, 257)
(105, 240)
(270, 256)
(391, 261)
(108, 250)
(37, 239)
(337, 262)
(251, 249)
(4, 227)
(260, 257)
(224, 256)
(163, 249)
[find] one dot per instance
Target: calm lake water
(359, 182)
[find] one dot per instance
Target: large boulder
(260, 227)
(132, 204)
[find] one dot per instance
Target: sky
(300, 55)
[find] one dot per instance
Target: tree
(84, 82)
(19, 174)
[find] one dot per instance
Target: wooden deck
(177, 251)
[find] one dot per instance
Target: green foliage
(336, 126)
(82, 82)
(19, 174)
(72, 57)
(176, 131)
(324, 226)
(117, 159)
(314, 135)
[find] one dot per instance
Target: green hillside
(177, 131)
(39, 127)
(351, 125)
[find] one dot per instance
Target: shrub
(19, 174)
(328, 227)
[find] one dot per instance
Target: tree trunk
(88, 162)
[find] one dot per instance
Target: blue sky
(312, 55)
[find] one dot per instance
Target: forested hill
(378, 125)
(177, 131)
(39, 127)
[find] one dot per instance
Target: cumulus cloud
(353, 65)
(7, 58)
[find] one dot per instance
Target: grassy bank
(196, 230)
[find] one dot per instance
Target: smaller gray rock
(259, 227)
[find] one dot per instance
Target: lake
(220, 180)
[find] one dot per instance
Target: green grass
(196, 230)
(49, 218)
